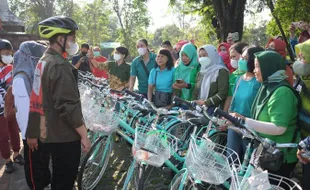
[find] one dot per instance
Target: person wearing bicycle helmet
(56, 126)
(8, 125)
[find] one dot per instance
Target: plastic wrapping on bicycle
(179, 100)
(137, 96)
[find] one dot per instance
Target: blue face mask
(96, 53)
(242, 65)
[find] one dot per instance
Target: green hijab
(272, 67)
(187, 72)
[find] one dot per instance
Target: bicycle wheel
(219, 138)
(94, 164)
(178, 183)
(149, 177)
(182, 131)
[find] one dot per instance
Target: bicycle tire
(95, 174)
(147, 178)
(182, 131)
(176, 181)
(219, 138)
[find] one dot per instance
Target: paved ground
(14, 181)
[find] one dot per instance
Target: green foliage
(256, 35)
(289, 11)
(133, 20)
(93, 22)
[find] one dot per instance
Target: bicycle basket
(153, 146)
(263, 180)
(104, 122)
(210, 162)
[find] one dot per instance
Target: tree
(255, 35)
(133, 21)
(33, 11)
(225, 15)
(284, 13)
(93, 22)
(169, 32)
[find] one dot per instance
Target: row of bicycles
(187, 142)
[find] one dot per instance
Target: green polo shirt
(281, 109)
(138, 71)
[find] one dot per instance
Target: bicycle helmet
(56, 25)
(5, 45)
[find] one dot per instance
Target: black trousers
(65, 162)
(306, 176)
(285, 171)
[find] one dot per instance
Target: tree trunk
(230, 15)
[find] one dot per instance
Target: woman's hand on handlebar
(237, 115)
(200, 102)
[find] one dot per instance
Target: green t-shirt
(232, 81)
(281, 109)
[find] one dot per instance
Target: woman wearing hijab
(223, 50)
(275, 107)
(186, 72)
(25, 62)
(279, 46)
(212, 81)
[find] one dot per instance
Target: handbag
(161, 99)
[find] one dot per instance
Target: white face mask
(205, 62)
(7, 59)
(142, 51)
(300, 68)
(73, 48)
(117, 57)
(234, 63)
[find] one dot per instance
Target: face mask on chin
(6, 59)
(73, 48)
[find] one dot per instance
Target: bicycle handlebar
(133, 94)
(181, 101)
(267, 143)
(233, 120)
(116, 91)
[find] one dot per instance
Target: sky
(161, 15)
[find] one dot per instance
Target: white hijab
(210, 73)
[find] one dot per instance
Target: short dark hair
(85, 46)
(53, 39)
(122, 50)
(238, 47)
(170, 62)
(167, 43)
(251, 57)
(144, 41)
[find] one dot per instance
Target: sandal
(19, 160)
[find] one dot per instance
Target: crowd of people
(39, 93)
